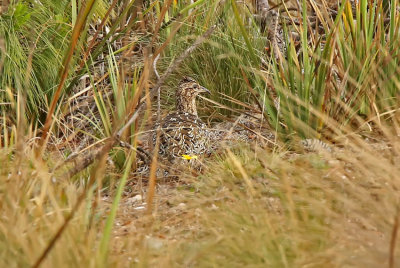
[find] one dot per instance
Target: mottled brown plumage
(183, 132)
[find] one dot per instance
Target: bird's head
(186, 94)
(188, 86)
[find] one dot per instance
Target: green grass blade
(105, 241)
(244, 32)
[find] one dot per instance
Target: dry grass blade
(242, 171)
(92, 43)
(95, 175)
(3, 52)
(152, 175)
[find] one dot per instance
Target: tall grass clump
(34, 41)
(35, 36)
(348, 72)
(348, 69)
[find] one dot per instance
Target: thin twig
(158, 90)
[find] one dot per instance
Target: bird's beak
(204, 90)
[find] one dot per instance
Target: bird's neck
(186, 106)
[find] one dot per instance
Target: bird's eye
(196, 86)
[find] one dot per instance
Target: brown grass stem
(82, 16)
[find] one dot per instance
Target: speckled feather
(183, 132)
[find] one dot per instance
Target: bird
(183, 134)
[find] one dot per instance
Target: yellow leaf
(188, 157)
